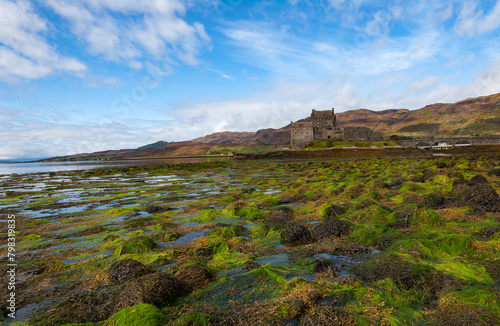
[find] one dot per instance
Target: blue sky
(83, 76)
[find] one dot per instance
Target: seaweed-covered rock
(433, 200)
(277, 218)
(295, 232)
(325, 266)
(154, 209)
(441, 165)
(289, 196)
(461, 181)
(428, 174)
(329, 227)
(334, 211)
(328, 316)
(483, 198)
(137, 245)
(395, 183)
(158, 289)
(301, 253)
(488, 232)
(196, 276)
(126, 269)
(477, 179)
(204, 251)
(78, 308)
(251, 265)
(495, 172)
(171, 236)
(405, 274)
(352, 250)
(459, 190)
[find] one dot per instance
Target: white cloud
(24, 53)
(423, 84)
(157, 29)
(473, 21)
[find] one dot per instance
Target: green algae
(445, 249)
(140, 315)
(31, 237)
(193, 318)
(137, 245)
(425, 217)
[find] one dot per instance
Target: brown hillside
(478, 116)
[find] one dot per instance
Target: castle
(323, 126)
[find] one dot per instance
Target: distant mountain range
(474, 116)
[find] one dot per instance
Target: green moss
(140, 315)
(31, 237)
(222, 232)
(369, 234)
(251, 212)
(475, 306)
(138, 245)
(193, 318)
(373, 214)
(207, 215)
(223, 257)
(426, 217)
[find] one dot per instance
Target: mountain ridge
(478, 116)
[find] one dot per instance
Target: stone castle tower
(323, 126)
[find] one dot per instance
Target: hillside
(473, 116)
(171, 149)
(262, 137)
(478, 116)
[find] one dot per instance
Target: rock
(441, 165)
(153, 209)
(204, 252)
(352, 250)
(483, 198)
(329, 227)
(295, 232)
(334, 211)
(251, 265)
(477, 179)
(325, 266)
(278, 218)
(395, 183)
(303, 253)
(495, 172)
(488, 232)
(460, 181)
(158, 289)
(196, 276)
(126, 269)
(433, 200)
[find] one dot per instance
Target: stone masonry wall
(302, 135)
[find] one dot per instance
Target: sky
(84, 76)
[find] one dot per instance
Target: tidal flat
(374, 241)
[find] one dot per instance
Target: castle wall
(302, 134)
(323, 126)
(356, 134)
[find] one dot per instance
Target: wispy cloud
(158, 29)
(473, 20)
(24, 51)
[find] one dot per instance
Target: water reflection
(36, 167)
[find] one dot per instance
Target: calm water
(20, 168)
